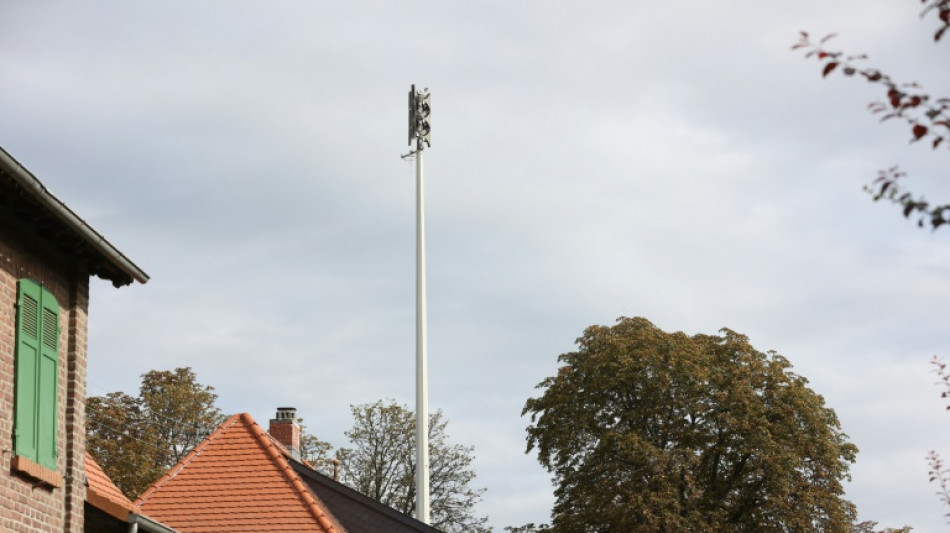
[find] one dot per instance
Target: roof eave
(37, 190)
(147, 524)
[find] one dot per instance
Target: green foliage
(382, 465)
(651, 431)
(122, 442)
(527, 528)
(181, 411)
(871, 527)
(136, 440)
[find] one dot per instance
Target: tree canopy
(650, 431)
(136, 439)
(382, 465)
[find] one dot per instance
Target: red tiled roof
(237, 480)
(103, 494)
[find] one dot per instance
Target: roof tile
(103, 494)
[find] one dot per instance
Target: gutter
(28, 181)
(137, 522)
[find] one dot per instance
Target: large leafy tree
(381, 463)
(123, 443)
(136, 439)
(927, 117)
(650, 431)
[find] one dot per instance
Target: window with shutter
(37, 370)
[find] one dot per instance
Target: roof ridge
(185, 460)
(286, 452)
(316, 508)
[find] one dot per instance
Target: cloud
(674, 161)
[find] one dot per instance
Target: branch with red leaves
(927, 118)
(939, 474)
(904, 101)
(942, 7)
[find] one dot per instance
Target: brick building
(47, 255)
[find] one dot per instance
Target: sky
(590, 160)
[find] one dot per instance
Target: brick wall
(28, 505)
(287, 432)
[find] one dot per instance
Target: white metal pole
(422, 370)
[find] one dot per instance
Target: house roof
(358, 513)
(103, 494)
(24, 198)
(237, 480)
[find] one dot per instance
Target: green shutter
(48, 372)
(37, 371)
(27, 361)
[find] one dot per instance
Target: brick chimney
(285, 429)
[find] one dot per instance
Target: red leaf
(937, 142)
(895, 97)
(828, 68)
(919, 131)
(822, 55)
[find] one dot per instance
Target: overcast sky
(590, 160)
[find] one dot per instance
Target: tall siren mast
(420, 130)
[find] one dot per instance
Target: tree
(136, 440)
(926, 117)
(122, 441)
(382, 464)
(527, 528)
(316, 452)
(870, 526)
(648, 431)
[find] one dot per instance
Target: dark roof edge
(331, 484)
(32, 184)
